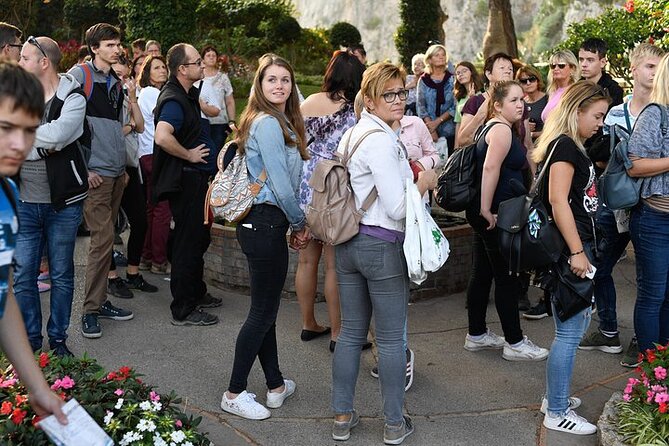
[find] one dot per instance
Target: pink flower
(154, 396)
(7, 383)
(626, 397)
(178, 423)
(629, 6)
(119, 392)
(628, 389)
(661, 398)
(65, 383)
(660, 372)
(650, 394)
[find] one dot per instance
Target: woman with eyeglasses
(570, 194)
(435, 103)
(535, 98)
(564, 71)
(371, 268)
(468, 83)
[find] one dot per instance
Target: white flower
(146, 425)
(158, 441)
(157, 406)
(145, 405)
(119, 403)
(188, 443)
(177, 436)
(108, 417)
(129, 437)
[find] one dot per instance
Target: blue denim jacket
(426, 103)
(265, 148)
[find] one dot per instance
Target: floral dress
(324, 132)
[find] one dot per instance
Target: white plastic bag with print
(431, 250)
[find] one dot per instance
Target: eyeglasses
(14, 45)
(392, 95)
(33, 41)
(528, 80)
(558, 65)
(433, 42)
(197, 62)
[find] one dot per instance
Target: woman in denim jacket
(435, 101)
(649, 222)
(271, 133)
(371, 269)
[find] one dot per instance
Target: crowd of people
(144, 133)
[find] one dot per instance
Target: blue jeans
(650, 237)
(611, 247)
(560, 363)
(41, 225)
(372, 278)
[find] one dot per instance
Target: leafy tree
(623, 28)
(343, 34)
(421, 21)
(79, 15)
(167, 21)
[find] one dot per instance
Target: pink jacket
(417, 139)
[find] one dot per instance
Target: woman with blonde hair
(371, 268)
(435, 103)
(418, 68)
(271, 134)
(564, 71)
(570, 194)
(648, 148)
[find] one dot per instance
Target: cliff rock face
(377, 21)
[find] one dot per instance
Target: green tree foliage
(623, 28)
(167, 21)
(79, 15)
(421, 21)
(343, 34)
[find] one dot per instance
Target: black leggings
(134, 206)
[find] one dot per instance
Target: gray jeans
(372, 277)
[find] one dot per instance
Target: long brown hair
(291, 119)
(462, 91)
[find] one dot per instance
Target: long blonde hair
(660, 92)
(563, 56)
(563, 120)
(290, 120)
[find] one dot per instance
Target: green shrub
(421, 21)
(343, 34)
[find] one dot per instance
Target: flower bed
(644, 412)
(127, 409)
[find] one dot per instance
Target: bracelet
(576, 253)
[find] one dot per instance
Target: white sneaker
(526, 351)
(574, 402)
(490, 341)
(245, 406)
(571, 423)
(275, 400)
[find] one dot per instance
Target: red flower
(18, 415)
(43, 360)
(36, 419)
(6, 408)
(661, 348)
(125, 371)
(629, 6)
(111, 376)
(20, 399)
(650, 355)
(663, 408)
(651, 40)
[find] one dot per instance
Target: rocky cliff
(536, 22)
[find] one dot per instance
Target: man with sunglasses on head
(106, 174)
(52, 189)
(592, 59)
(10, 42)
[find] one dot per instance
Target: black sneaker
(197, 317)
(90, 327)
(539, 311)
(119, 258)
(137, 282)
(631, 357)
(109, 311)
(60, 349)
(209, 301)
(117, 288)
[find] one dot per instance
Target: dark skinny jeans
(488, 264)
(266, 250)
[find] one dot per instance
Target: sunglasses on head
(528, 80)
(558, 65)
(33, 41)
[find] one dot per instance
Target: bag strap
(373, 194)
(627, 117)
(535, 186)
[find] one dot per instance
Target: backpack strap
(373, 194)
(626, 111)
(87, 86)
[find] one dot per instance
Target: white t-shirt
(213, 91)
(147, 100)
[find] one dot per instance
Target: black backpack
(458, 185)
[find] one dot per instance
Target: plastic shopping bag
(411, 245)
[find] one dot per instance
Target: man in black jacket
(53, 185)
(592, 58)
(181, 169)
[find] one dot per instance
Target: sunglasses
(558, 65)
(33, 41)
(391, 96)
(603, 93)
(528, 80)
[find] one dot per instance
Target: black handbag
(571, 293)
(528, 237)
